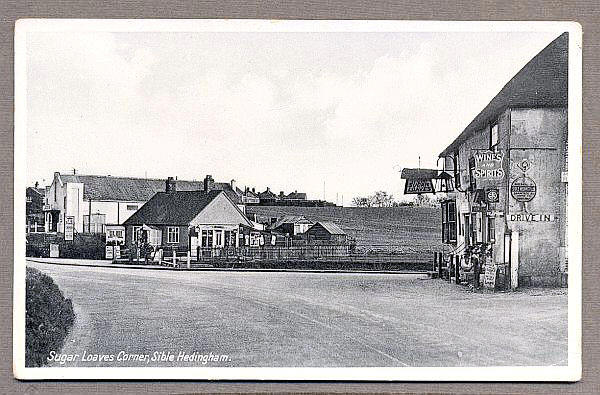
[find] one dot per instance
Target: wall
(116, 212)
(539, 136)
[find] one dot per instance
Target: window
(172, 234)
(449, 221)
(94, 223)
(207, 238)
(132, 207)
(219, 238)
(493, 136)
(472, 181)
(491, 229)
(456, 171)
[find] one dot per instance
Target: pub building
(505, 178)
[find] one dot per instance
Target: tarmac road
(304, 319)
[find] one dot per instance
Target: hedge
(48, 318)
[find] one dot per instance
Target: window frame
(129, 207)
(494, 144)
(491, 229)
(449, 232)
(472, 179)
(172, 231)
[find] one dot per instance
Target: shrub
(48, 317)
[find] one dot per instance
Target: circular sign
(492, 195)
(523, 189)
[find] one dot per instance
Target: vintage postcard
(297, 200)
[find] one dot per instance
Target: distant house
(96, 201)
(267, 197)
(250, 196)
(296, 196)
(326, 231)
(34, 209)
(292, 225)
(185, 220)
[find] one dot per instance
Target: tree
(382, 199)
(360, 201)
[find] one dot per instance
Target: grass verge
(48, 318)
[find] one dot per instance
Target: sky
(330, 114)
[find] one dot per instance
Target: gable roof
(297, 195)
(125, 188)
(330, 227)
(137, 189)
(290, 219)
(267, 195)
(542, 82)
(174, 208)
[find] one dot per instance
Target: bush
(48, 317)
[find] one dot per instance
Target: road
(305, 319)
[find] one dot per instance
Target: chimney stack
(171, 185)
(232, 183)
(209, 183)
(253, 190)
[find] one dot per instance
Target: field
(404, 231)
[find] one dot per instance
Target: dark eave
(543, 82)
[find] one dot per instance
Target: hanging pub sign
(488, 165)
(492, 195)
(523, 189)
(418, 181)
(418, 186)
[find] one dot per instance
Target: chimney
(281, 194)
(171, 185)
(253, 190)
(209, 183)
(232, 183)
(36, 184)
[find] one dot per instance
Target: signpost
(69, 228)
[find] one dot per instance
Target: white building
(94, 201)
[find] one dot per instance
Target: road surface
(303, 319)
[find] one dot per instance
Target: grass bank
(48, 317)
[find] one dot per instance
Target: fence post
(174, 257)
(439, 260)
(189, 260)
(434, 261)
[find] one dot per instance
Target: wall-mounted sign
(418, 186)
(523, 189)
(492, 195)
(526, 217)
(69, 228)
(488, 165)
(524, 165)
